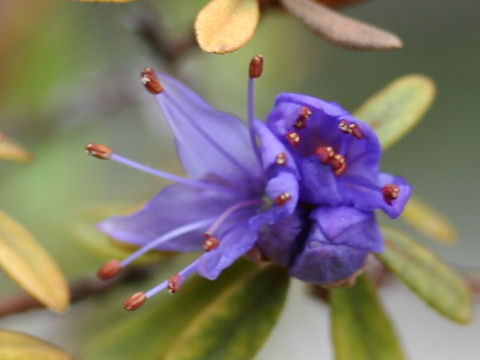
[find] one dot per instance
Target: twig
(79, 290)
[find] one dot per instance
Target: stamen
(283, 198)
(99, 151)
(211, 242)
(351, 128)
(281, 159)
(109, 270)
(150, 81)
(305, 114)
(135, 301)
(329, 157)
(166, 237)
(390, 192)
(293, 138)
(232, 209)
(174, 283)
(256, 67)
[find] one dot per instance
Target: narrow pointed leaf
(339, 29)
(395, 110)
(30, 266)
(11, 150)
(429, 221)
(361, 329)
(427, 276)
(15, 345)
(101, 245)
(254, 294)
(224, 26)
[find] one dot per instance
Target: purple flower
(299, 190)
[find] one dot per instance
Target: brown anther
(174, 283)
(338, 164)
(211, 242)
(150, 81)
(135, 301)
(256, 67)
(109, 269)
(99, 151)
(390, 192)
(324, 153)
(283, 198)
(305, 114)
(293, 138)
(281, 159)
(351, 128)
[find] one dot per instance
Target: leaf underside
(428, 276)
(339, 29)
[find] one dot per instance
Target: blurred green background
(70, 75)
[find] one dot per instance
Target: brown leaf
(339, 29)
(223, 26)
(28, 264)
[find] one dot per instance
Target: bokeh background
(70, 75)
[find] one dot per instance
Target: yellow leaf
(429, 222)
(28, 264)
(10, 150)
(15, 345)
(224, 26)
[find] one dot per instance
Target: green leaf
(429, 221)
(339, 29)
(11, 150)
(395, 110)
(103, 246)
(231, 316)
(427, 276)
(223, 26)
(361, 329)
(30, 266)
(18, 346)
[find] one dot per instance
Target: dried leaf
(339, 29)
(427, 276)
(223, 26)
(361, 329)
(396, 109)
(102, 245)
(234, 314)
(30, 266)
(429, 221)
(10, 150)
(15, 345)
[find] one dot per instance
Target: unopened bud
(109, 270)
(256, 67)
(150, 81)
(135, 301)
(99, 151)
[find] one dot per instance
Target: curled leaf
(427, 276)
(339, 29)
(223, 26)
(429, 221)
(396, 109)
(15, 345)
(30, 266)
(361, 329)
(103, 246)
(231, 316)
(11, 150)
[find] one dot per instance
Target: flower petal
(175, 206)
(233, 245)
(208, 140)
